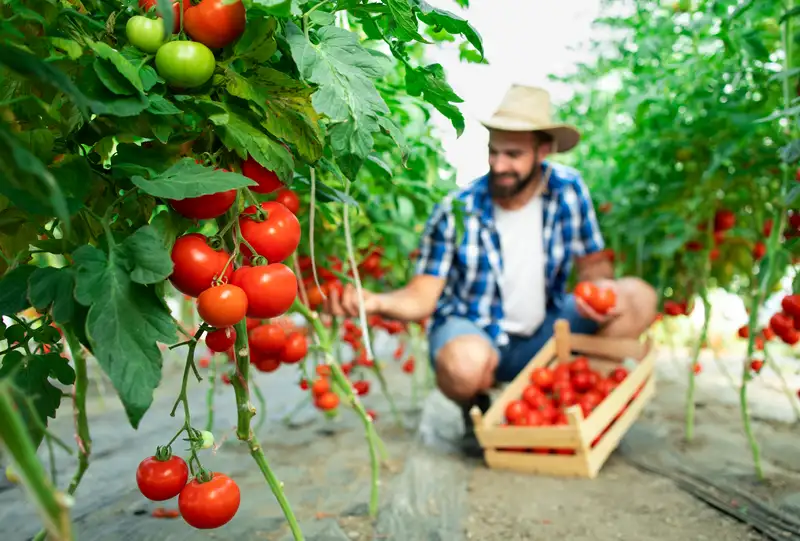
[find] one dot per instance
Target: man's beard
(507, 191)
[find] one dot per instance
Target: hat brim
(565, 136)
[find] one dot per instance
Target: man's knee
(639, 299)
(465, 366)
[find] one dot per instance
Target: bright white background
(525, 41)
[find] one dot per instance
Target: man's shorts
(521, 349)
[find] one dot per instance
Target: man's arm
(418, 299)
(595, 266)
(591, 259)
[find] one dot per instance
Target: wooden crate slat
(609, 408)
(556, 437)
(564, 465)
(609, 348)
(611, 439)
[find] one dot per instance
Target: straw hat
(527, 108)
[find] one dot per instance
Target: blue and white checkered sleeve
(587, 237)
(437, 243)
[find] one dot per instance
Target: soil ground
(428, 491)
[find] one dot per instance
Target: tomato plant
(136, 172)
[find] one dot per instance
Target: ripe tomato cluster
(677, 308)
(552, 390)
(204, 503)
(600, 299)
(786, 323)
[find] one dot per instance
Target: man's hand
(347, 304)
(586, 311)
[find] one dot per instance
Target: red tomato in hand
(214, 23)
(204, 207)
(295, 348)
(516, 410)
(221, 340)
(209, 505)
(586, 291)
(276, 238)
(222, 306)
(271, 289)
(196, 264)
(604, 300)
(267, 339)
(289, 199)
(267, 180)
(543, 378)
(161, 480)
(176, 11)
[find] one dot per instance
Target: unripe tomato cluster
(212, 24)
(552, 390)
(203, 503)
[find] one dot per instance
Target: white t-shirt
(523, 280)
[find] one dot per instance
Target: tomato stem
(82, 435)
(373, 440)
(312, 205)
(690, 406)
(376, 368)
(210, 395)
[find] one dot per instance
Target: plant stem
(82, 436)
(262, 405)
(51, 505)
(210, 395)
(369, 428)
(689, 429)
(385, 389)
(244, 432)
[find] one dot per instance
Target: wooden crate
(510, 447)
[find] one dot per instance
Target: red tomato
(586, 291)
(226, 379)
(534, 397)
(222, 306)
(252, 322)
(267, 339)
(515, 410)
(744, 331)
(580, 364)
(160, 480)
(781, 323)
(271, 289)
(221, 339)
(372, 263)
(304, 384)
(759, 250)
(196, 264)
(276, 238)
(532, 418)
(327, 401)
(204, 207)
(215, 23)
(295, 348)
(543, 378)
(768, 227)
(267, 180)
(581, 381)
(756, 365)
(566, 397)
(561, 372)
(589, 401)
(672, 308)
(791, 303)
(604, 300)
(408, 366)
(264, 363)
(361, 387)
(323, 370)
(724, 220)
(288, 199)
(791, 337)
(320, 387)
(618, 375)
(211, 504)
(176, 11)
(549, 412)
(768, 333)
(205, 362)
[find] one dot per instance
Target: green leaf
(125, 322)
(396, 134)
(286, 103)
(159, 105)
(449, 21)
(150, 258)
(168, 226)
(71, 47)
(32, 66)
(104, 102)
(342, 68)
(50, 286)
(792, 196)
(111, 78)
(430, 83)
(123, 66)
(28, 163)
(39, 142)
(405, 20)
(279, 8)
(165, 11)
(257, 44)
(14, 290)
(238, 132)
(132, 159)
(37, 396)
(186, 179)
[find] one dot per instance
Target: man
(496, 291)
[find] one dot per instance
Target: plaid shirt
(473, 266)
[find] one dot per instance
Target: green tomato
(145, 34)
(208, 439)
(11, 475)
(185, 64)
